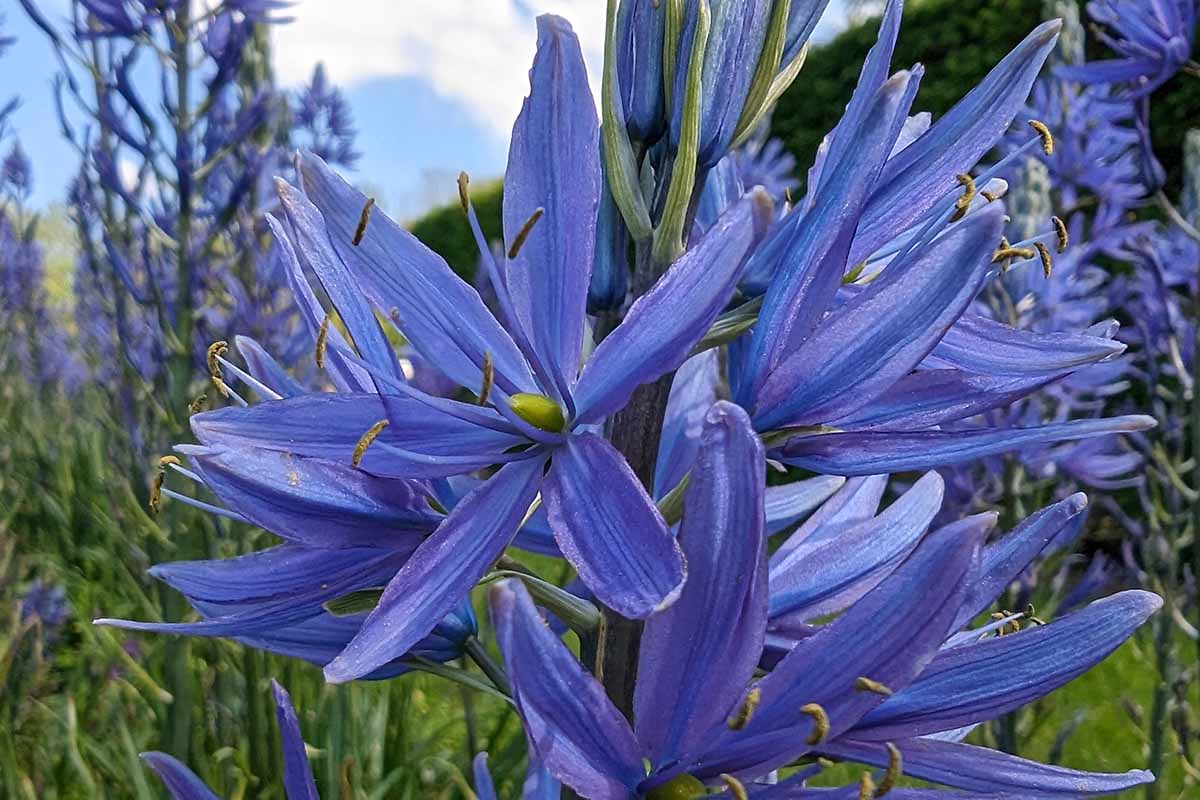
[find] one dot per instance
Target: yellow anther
(322, 342)
(156, 483)
(742, 718)
(215, 351)
(1006, 253)
(539, 411)
(363, 218)
(165, 461)
(198, 405)
(1044, 254)
(963, 203)
(523, 234)
(894, 770)
(489, 375)
(1012, 626)
(1031, 615)
(464, 195)
(867, 685)
(820, 722)
(1044, 132)
(735, 787)
(866, 787)
(1060, 230)
(991, 197)
(372, 433)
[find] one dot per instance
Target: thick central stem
(635, 432)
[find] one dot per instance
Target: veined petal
(810, 248)
(345, 375)
(981, 681)
(873, 452)
(698, 656)
(927, 398)
(978, 344)
(665, 323)
(266, 369)
(319, 503)
(822, 577)
(298, 781)
(271, 588)
(1007, 557)
(785, 505)
(856, 502)
(442, 571)
(315, 249)
(913, 181)
(803, 17)
(181, 782)
(609, 528)
(539, 783)
(889, 636)
(982, 769)
(571, 725)
(693, 391)
(484, 788)
(330, 426)
(554, 165)
(442, 316)
(879, 336)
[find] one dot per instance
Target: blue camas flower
(1153, 38)
(537, 411)
(889, 682)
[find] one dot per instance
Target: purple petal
(266, 369)
(819, 578)
(811, 247)
(553, 164)
(329, 426)
(693, 391)
(316, 502)
(484, 788)
(978, 344)
(864, 347)
(698, 655)
(1007, 557)
(927, 398)
(965, 766)
(609, 528)
(664, 324)
(298, 781)
(442, 316)
(316, 252)
(571, 725)
(442, 571)
(981, 681)
(181, 782)
(856, 502)
(873, 452)
(786, 505)
(281, 585)
(920, 174)
(890, 636)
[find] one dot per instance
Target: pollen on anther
(866, 787)
(363, 218)
(864, 684)
(963, 203)
(523, 234)
(895, 769)
(372, 433)
(1060, 230)
(489, 375)
(1044, 132)
(820, 722)
(215, 351)
(745, 711)
(464, 195)
(1044, 254)
(322, 342)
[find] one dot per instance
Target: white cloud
(476, 52)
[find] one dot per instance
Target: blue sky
(434, 84)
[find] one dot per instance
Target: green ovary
(539, 411)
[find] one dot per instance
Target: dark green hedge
(957, 41)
